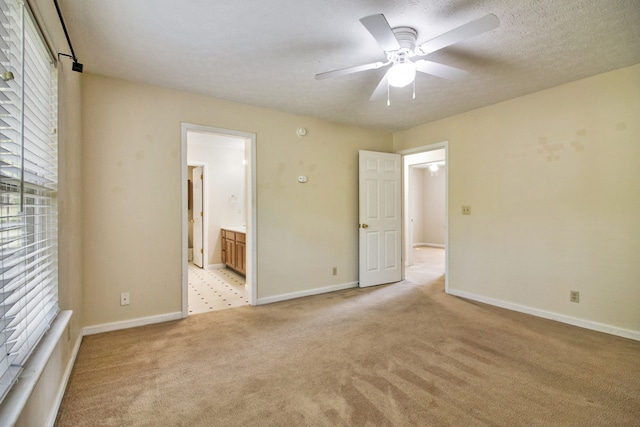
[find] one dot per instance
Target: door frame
(405, 205)
(251, 186)
(205, 224)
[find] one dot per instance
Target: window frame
(28, 189)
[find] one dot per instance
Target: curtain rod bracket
(76, 65)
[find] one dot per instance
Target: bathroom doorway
(224, 162)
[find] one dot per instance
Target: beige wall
(132, 192)
(553, 179)
(427, 193)
(416, 205)
(42, 401)
(433, 207)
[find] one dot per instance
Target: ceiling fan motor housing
(406, 37)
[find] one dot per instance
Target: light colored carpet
(395, 355)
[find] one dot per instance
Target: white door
(198, 215)
(380, 218)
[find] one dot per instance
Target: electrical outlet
(335, 271)
(574, 296)
(466, 210)
(124, 298)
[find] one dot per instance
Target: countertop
(236, 229)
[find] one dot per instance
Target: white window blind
(28, 189)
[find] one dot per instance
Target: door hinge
(201, 213)
(202, 251)
(201, 177)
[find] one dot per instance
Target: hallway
(429, 265)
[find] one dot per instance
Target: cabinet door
(230, 249)
(224, 249)
(241, 262)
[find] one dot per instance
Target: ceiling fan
(405, 58)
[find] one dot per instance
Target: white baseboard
(126, 324)
(587, 324)
(433, 245)
(309, 292)
(216, 266)
(65, 380)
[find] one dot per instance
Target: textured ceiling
(266, 53)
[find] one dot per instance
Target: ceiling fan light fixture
(399, 45)
(401, 74)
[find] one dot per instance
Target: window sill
(18, 396)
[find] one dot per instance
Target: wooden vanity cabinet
(228, 247)
(241, 253)
(234, 250)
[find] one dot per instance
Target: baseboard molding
(433, 245)
(309, 292)
(65, 380)
(215, 266)
(582, 323)
(126, 324)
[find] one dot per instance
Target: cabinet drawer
(229, 234)
(241, 237)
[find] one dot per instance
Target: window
(28, 189)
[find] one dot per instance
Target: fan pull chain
(414, 88)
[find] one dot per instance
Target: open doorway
(425, 210)
(219, 164)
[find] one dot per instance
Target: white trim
(126, 324)
(306, 293)
(582, 323)
(184, 177)
(205, 204)
(19, 395)
(423, 148)
(433, 245)
(63, 385)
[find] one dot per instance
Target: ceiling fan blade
(463, 32)
(380, 29)
(381, 89)
(350, 70)
(440, 70)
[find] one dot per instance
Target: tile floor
(211, 290)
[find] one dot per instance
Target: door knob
(365, 225)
